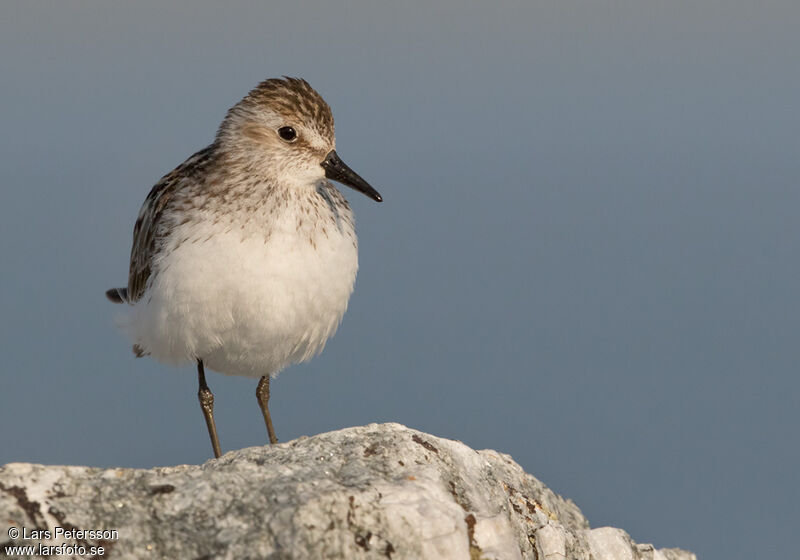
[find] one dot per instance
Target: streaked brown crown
(293, 98)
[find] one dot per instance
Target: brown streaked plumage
(244, 256)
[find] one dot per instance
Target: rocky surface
(378, 491)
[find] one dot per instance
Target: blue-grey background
(587, 256)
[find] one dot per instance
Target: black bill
(337, 170)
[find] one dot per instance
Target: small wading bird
(245, 255)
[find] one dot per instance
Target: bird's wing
(148, 231)
(145, 235)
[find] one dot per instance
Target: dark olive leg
(262, 394)
(207, 404)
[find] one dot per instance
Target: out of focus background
(588, 254)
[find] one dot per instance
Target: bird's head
(284, 129)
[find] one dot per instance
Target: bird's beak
(337, 170)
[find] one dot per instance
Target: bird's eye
(287, 133)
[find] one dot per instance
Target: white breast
(244, 302)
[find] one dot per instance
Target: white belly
(247, 305)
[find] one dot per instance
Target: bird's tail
(117, 295)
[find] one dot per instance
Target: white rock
(378, 491)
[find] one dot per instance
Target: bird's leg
(262, 394)
(207, 404)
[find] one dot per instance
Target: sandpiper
(245, 255)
